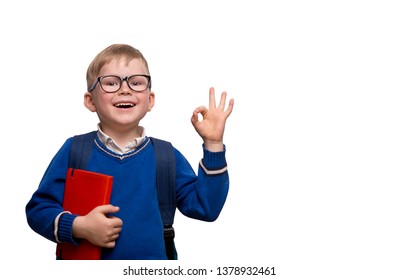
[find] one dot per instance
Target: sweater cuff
(65, 228)
(213, 162)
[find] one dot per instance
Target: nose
(124, 87)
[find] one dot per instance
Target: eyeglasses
(113, 83)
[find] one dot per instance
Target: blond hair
(116, 51)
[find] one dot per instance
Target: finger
(195, 116)
(117, 229)
(110, 244)
(222, 101)
(113, 235)
(230, 107)
(200, 110)
(116, 222)
(108, 208)
(212, 99)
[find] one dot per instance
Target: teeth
(124, 105)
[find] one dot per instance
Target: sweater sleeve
(202, 196)
(46, 202)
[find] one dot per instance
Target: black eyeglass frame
(122, 79)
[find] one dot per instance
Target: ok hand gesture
(211, 127)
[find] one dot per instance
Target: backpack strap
(80, 150)
(165, 183)
(165, 174)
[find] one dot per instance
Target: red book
(84, 191)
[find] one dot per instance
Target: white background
(311, 143)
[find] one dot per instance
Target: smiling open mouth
(124, 105)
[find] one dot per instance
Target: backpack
(79, 156)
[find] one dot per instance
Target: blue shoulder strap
(165, 179)
(80, 150)
(165, 184)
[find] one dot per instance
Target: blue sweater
(199, 196)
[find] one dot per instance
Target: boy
(130, 227)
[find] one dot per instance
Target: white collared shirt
(113, 146)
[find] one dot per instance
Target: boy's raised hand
(212, 126)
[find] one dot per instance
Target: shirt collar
(113, 146)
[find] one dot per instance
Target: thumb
(108, 208)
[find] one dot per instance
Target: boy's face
(124, 109)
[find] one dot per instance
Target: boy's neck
(123, 137)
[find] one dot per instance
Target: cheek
(102, 99)
(101, 103)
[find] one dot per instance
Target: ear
(89, 102)
(151, 100)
